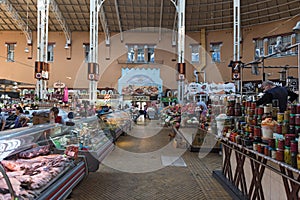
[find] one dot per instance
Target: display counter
(253, 175)
(116, 123)
(90, 138)
(31, 170)
(196, 139)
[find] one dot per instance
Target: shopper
(272, 92)
(21, 119)
(203, 110)
(146, 112)
(3, 120)
(57, 119)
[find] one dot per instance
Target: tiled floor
(136, 169)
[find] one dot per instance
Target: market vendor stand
(197, 139)
(45, 175)
(252, 175)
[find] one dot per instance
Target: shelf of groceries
(260, 146)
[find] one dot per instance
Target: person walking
(272, 92)
(3, 120)
(21, 120)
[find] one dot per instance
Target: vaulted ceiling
(125, 15)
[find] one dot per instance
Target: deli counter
(31, 170)
(47, 161)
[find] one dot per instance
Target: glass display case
(30, 169)
(116, 123)
(88, 135)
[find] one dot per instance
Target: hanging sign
(236, 70)
(59, 85)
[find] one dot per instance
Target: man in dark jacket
(272, 92)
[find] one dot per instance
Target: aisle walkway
(146, 165)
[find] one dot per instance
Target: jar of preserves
(297, 120)
(280, 144)
(286, 115)
(298, 108)
(293, 109)
(279, 128)
(287, 155)
(280, 155)
(257, 131)
(271, 143)
(285, 127)
(280, 117)
(292, 119)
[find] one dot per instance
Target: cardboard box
(40, 120)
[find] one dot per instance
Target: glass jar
(285, 127)
(297, 120)
(279, 128)
(280, 117)
(287, 155)
(292, 119)
(280, 155)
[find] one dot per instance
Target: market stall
(30, 169)
(88, 135)
(261, 147)
(116, 123)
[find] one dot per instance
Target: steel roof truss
(17, 19)
(61, 20)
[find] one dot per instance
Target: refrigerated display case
(31, 170)
(116, 123)
(90, 138)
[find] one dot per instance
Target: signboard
(59, 85)
(236, 70)
(140, 90)
(212, 88)
(140, 98)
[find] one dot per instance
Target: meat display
(37, 151)
(28, 176)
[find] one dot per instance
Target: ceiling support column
(180, 49)
(237, 39)
(41, 65)
(93, 66)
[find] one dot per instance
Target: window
(10, 52)
(151, 54)
(86, 47)
(271, 45)
(216, 52)
(286, 41)
(50, 52)
(140, 54)
(297, 41)
(259, 49)
(195, 53)
(130, 54)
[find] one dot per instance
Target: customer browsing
(272, 92)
